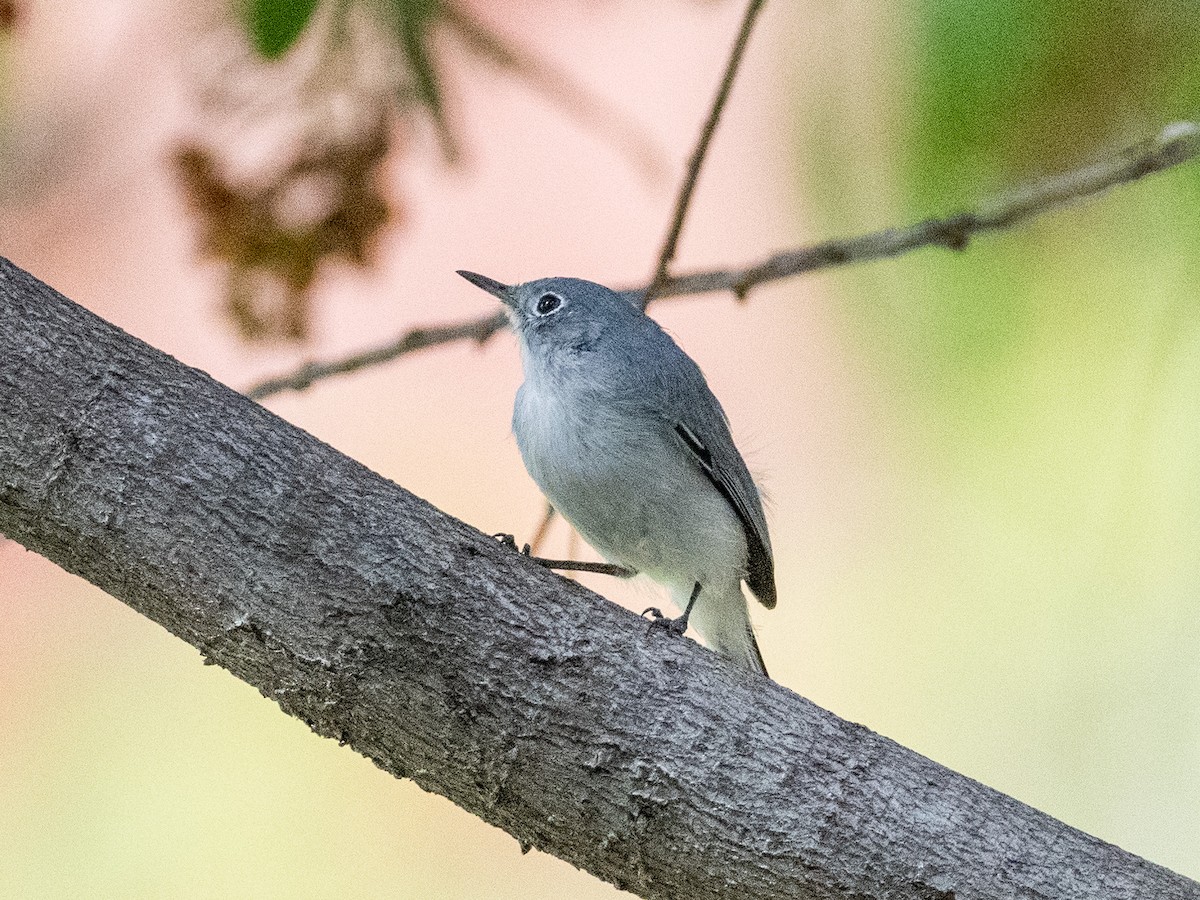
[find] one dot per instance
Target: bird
(619, 429)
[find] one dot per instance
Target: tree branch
(448, 659)
(477, 330)
(1176, 144)
(667, 255)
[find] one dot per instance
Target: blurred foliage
(411, 21)
(274, 228)
(373, 57)
(273, 259)
(283, 174)
(1009, 89)
(275, 24)
(1002, 92)
(10, 15)
(1037, 394)
(1044, 379)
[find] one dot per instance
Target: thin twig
(1176, 144)
(566, 565)
(543, 529)
(670, 243)
(477, 330)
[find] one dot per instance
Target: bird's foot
(658, 620)
(511, 542)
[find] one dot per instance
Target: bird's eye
(548, 303)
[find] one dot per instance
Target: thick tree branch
(446, 658)
(1176, 144)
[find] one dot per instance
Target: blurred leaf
(272, 246)
(411, 20)
(1011, 89)
(276, 24)
(1003, 92)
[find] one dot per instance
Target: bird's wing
(719, 459)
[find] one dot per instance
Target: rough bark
(447, 659)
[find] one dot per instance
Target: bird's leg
(568, 565)
(675, 626)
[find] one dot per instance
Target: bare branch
(477, 330)
(543, 529)
(667, 255)
(1176, 144)
(446, 658)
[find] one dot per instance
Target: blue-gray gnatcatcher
(619, 429)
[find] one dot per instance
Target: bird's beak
(503, 292)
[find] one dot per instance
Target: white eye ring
(547, 303)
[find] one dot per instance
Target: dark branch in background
(446, 658)
(667, 255)
(1176, 144)
(543, 530)
(478, 330)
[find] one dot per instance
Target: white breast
(626, 483)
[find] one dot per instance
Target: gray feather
(729, 475)
(618, 427)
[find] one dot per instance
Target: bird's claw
(511, 542)
(658, 620)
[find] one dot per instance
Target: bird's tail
(720, 617)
